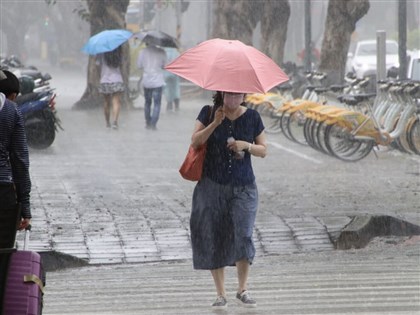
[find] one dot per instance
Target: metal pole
(178, 21)
(308, 36)
(380, 55)
(209, 19)
(402, 38)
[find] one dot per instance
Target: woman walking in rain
(172, 89)
(111, 85)
(225, 200)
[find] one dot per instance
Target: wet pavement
(115, 199)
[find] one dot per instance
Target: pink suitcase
(25, 283)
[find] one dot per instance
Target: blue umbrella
(106, 41)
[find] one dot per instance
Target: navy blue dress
(225, 200)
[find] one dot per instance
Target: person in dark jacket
(15, 183)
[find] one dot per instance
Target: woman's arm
(259, 148)
(201, 133)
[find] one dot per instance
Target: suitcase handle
(27, 234)
(34, 279)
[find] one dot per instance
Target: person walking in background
(172, 90)
(314, 56)
(111, 85)
(225, 200)
(151, 60)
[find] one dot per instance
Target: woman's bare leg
(242, 268)
(116, 106)
(107, 107)
(219, 280)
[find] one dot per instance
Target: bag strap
(209, 115)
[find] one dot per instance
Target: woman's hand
(237, 145)
(24, 223)
(219, 115)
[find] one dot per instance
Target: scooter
(41, 121)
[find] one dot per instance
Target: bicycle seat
(284, 87)
(337, 88)
(321, 89)
(348, 99)
(364, 82)
(311, 87)
(364, 96)
(355, 99)
(412, 90)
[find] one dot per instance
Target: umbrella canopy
(157, 38)
(228, 65)
(105, 41)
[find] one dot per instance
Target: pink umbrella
(228, 65)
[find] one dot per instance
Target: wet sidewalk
(382, 279)
(115, 200)
(110, 196)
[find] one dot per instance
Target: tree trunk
(104, 14)
(276, 15)
(341, 22)
(236, 19)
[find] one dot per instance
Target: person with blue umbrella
(106, 46)
(111, 85)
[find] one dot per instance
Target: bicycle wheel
(283, 124)
(414, 136)
(321, 138)
(272, 123)
(311, 131)
(344, 146)
(402, 142)
(307, 130)
(265, 109)
(295, 124)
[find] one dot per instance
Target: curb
(53, 261)
(362, 229)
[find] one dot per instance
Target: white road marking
(301, 155)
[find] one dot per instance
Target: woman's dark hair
(113, 58)
(218, 99)
(217, 102)
(9, 85)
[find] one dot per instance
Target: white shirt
(109, 74)
(152, 60)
